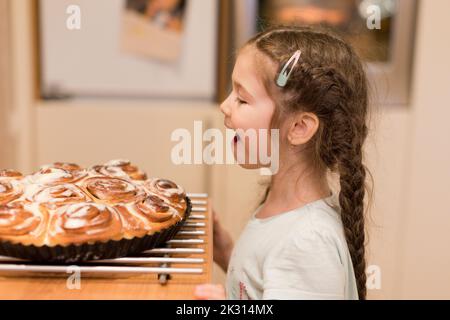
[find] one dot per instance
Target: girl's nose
(225, 107)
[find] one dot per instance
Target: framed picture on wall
(129, 48)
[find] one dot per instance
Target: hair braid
(341, 149)
(351, 200)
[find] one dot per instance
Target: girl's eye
(239, 101)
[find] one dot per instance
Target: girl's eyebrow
(240, 86)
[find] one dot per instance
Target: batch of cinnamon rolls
(63, 205)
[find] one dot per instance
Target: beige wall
(424, 255)
(21, 114)
(6, 159)
(408, 154)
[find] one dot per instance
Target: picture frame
(89, 63)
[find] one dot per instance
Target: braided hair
(330, 82)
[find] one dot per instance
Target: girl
(303, 242)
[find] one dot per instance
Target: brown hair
(330, 82)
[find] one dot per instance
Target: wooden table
(179, 286)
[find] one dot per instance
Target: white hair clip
(284, 75)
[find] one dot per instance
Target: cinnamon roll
(165, 188)
(71, 167)
(9, 173)
(112, 190)
(9, 190)
(50, 175)
(169, 190)
(58, 195)
(84, 223)
(120, 169)
(133, 225)
(23, 223)
(156, 209)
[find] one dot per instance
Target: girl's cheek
(239, 120)
(250, 117)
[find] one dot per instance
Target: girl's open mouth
(236, 138)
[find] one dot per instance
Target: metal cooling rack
(176, 251)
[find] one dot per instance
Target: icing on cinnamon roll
(58, 195)
(112, 190)
(50, 175)
(120, 169)
(84, 223)
(9, 190)
(23, 223)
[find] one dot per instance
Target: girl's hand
(209, 292)
(222, 242)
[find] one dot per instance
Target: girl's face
(249, 107)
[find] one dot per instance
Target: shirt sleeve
(307, 266)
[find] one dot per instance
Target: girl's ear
(303, 127)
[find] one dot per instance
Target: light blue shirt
(299, 254)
